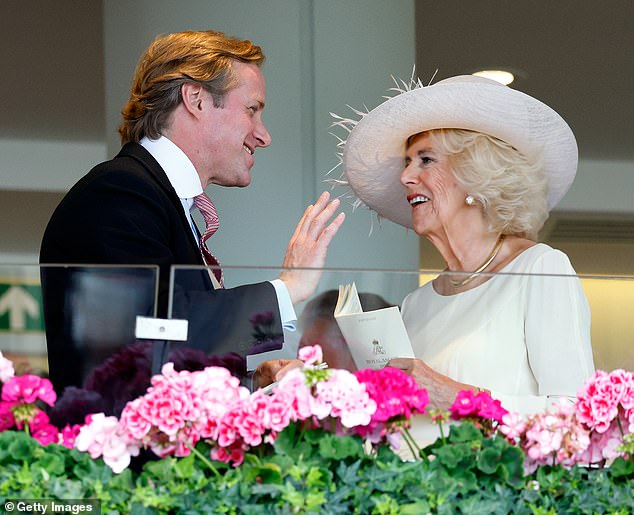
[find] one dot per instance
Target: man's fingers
(313, 212)
(287, 365)
(315, 218)
(320, 219)
(302, 222)
(329, 232)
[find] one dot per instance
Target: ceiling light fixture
(501, 76)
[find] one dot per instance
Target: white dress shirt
(185, 180)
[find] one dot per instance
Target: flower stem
(443, 438)
(204, 459)
(411, 449)
(413, 446)
(618, 421)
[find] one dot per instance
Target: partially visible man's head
(319, 327)
(204, 58)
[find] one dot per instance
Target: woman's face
(432, 190)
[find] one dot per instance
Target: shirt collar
(179, 169)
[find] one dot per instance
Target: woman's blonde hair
(511, 188)
(203, 57)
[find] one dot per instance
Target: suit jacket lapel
(158, 175)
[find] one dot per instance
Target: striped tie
(208, 210)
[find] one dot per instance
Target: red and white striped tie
(208, 210)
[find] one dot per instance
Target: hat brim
(373, 155)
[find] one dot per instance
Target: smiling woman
(477, 169)
(474, 167)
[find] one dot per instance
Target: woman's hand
(442, 390)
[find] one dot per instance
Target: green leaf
(465, 432)
(500, 459)
(348, 474)
(52, 462)
(489, 461)
(415, 508)
(292, 496)
(315, 477)
(339, 447)
(291, 441)
(286, 439)
(313, 436)
(314, 500)
(65, 489)
(265, 473)
(451, 455)
(22, 446)
(622, 468)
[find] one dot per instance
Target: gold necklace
(498, 245)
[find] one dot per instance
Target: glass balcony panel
(76, 325)
(609, 299)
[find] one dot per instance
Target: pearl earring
(469, 200)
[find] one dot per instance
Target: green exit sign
(20, 307)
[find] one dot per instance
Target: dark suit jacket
(125, 211)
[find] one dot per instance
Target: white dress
(526, 338)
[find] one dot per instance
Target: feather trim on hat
(347, 124)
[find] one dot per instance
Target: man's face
(230, 134)
(326, 334)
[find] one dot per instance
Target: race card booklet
(373, 337)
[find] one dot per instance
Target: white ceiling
(577, 56)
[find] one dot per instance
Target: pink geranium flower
(512, 425)
(7, 420)
(68, 435)
(46, 434)
(397, 397)
(34, 417)
(27, 389)
(553, 437)
(603, 397)
(605, 405)
(180, 408)
(344, 398)
(6, 369)
(465, 405)
(105, 437)
(233, 454)
(482, 405)
(311, 354)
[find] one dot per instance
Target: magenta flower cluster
(469, 405)
(19, 406)
(397, 396)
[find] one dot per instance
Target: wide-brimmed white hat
(374, 151)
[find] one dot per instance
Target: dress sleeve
(557, 332)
